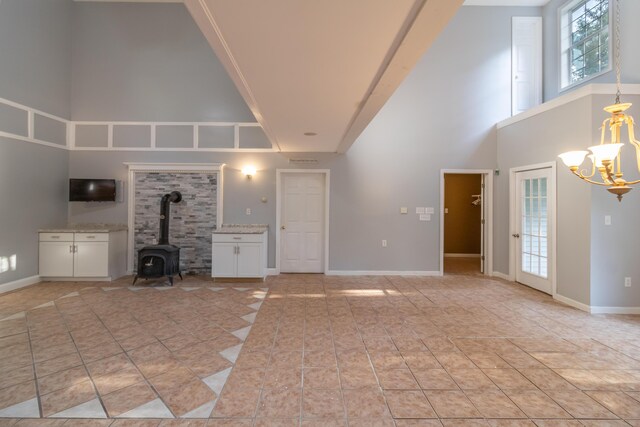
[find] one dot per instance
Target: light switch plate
(425, 217)
(607, 220)
(404, 210)
(429, 211)
(420, 211)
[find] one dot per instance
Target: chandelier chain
(616, 4)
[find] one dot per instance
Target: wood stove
(162, 259)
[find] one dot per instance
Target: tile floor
(312, 350)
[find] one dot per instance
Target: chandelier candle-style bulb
(573, 159)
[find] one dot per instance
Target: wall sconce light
(249, 171)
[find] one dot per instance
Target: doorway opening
(465, 222)
(302, 221)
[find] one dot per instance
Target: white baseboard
(272, 272)
(17, 284)
(614, 310)
(462, 255)
(380, 273)
(500, 275)
(572, 303)
(76, 279)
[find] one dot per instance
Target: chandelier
(606, 157)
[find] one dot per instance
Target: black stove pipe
(165, 213)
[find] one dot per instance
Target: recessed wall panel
(92, 135)
(177, 136)
(131, 136)
(13, 120)
(215, 137)
(49, 130)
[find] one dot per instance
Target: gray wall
(540, 139)
(147, 62)
(35, 53)
(35, 61)
(614, 248)
(630, 12)
(33, 194)
(442, 116)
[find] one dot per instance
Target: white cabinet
(239, 255)
(98, 256)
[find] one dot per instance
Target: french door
(534, 222)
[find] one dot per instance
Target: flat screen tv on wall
(92, 190)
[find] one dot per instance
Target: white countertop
(241, 229)
(85, 228)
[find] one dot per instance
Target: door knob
(282, 227)
(516, 235)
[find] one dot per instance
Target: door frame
(553, 214)
(487, 204)
(327, 182)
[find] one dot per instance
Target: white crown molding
(522, 3)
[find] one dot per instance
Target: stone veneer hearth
(192, 220)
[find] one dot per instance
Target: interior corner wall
(539, 139)
(614, 248)
(147, 62)
(630, 34)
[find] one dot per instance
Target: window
(585, 43)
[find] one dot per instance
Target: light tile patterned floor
(362, 351)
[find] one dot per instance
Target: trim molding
(381, 273)
(572, 303)
(614, 310)
(20, 283)
(272, 272)
(592, 89)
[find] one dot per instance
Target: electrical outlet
(384, 243)
(607, 220)
(248, 211)
(627, 282)
(404, 210)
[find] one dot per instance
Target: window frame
(563, 57)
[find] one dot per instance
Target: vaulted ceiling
(315, 73)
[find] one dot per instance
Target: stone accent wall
(192, 220)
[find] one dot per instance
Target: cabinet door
(224, 260)
(91, 259)
(250, 260)
(56, 259)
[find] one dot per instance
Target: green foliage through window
(588, 52)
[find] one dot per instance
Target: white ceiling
(325, 67)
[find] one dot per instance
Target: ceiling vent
(304, 161)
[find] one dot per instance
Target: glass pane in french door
(534, 227)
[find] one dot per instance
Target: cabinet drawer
(56, 237)
(238, 238)
(92, 237)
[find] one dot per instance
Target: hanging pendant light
(606, 157)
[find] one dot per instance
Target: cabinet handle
(237, 238)
(55, 237)
(71, 249)
(91, 237)
(238, 249)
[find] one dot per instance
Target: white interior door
(302, 223)
(526, 63)
(535, 203)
